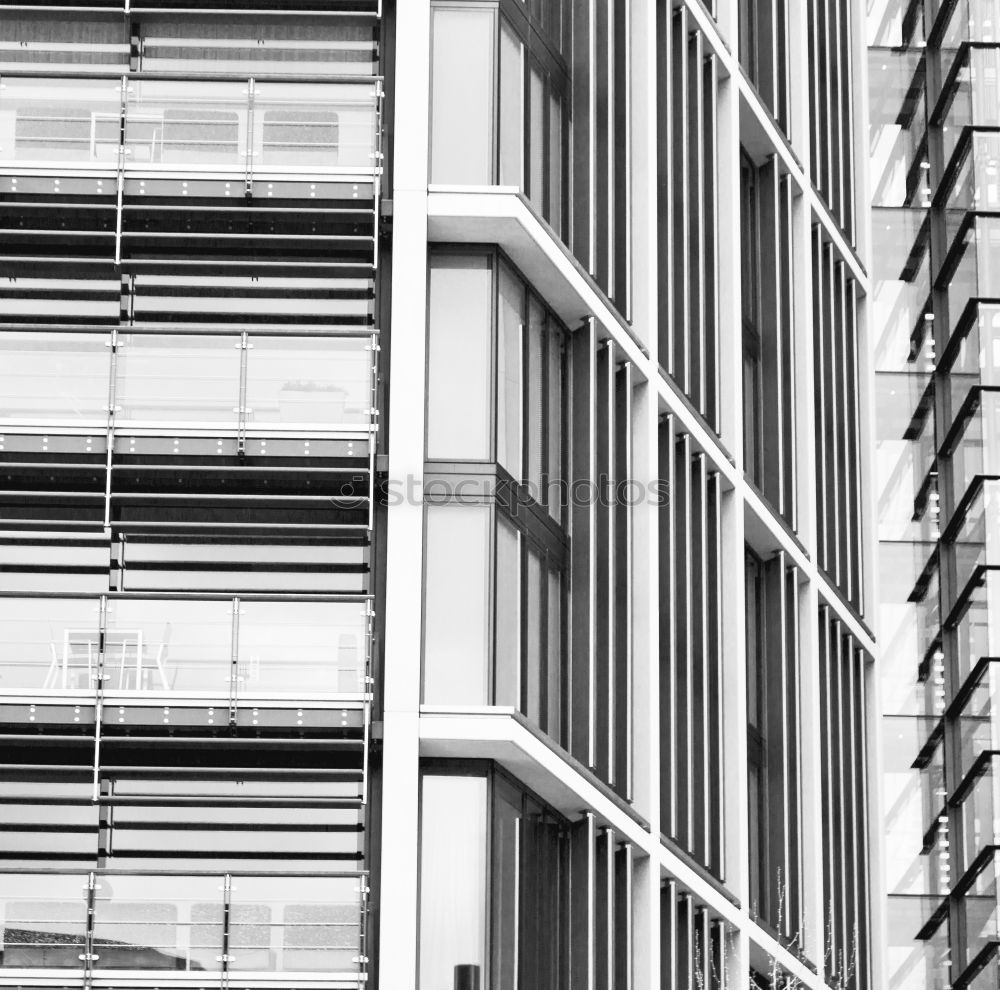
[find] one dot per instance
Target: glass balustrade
(46, 122)
(977, 450)
(977, 631)
(50, 379)
(186, 381)
(976, 543)
(979, 816)
(180, 125)
(976, 362)
(973, 92)
(974, 271)
(281, 925)
(168, 647)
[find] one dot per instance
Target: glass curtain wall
(517, 481)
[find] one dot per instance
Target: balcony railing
(188, 929)
(147, 123)
(182, 650)
(151, 381)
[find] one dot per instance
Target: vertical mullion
(847, 101)
(583, 546)
(794, 749)
(826, 151)
(682, 184)
(682, 569)
(582, 136)
(788, 376)
(862, 826)
(711, 402)
(714, 608)
(851, 837)
(622, 579)
(604, 912)
(819, 385)
(826, 783)
(830, 377)
(583, 880)
(623, 936)
(844, 472)
(668, 936)
(696, 201)
(665, 207)
(770, 331)
(699, 662)
(840, 836)
(854, 447)
(604, 150)
(667, 631)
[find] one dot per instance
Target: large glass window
(457, 605)
(459, 358)
(453, 900)
(462, 94)
(513, 897)
(487, 68)
(518, 370)
(493, 614)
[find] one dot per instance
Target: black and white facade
(436, 541)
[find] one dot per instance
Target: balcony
(65, 125)
(279, 175)
(235, 930)
(184, 382)
(171, 652)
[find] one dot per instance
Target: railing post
(225, 959)
(99, 695)
(88, 957)
(234, 661)
(121, 171)
(248, 171)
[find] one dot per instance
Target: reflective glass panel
(159, 922)
(168, 645)
(302, 647)
(60, 120)
(314, 124)
(309, 382)
(508, 616)
(453, 898)
(509, 367)
(48, 643)
(58, 378)
(295, 924)
(165, 379)
(511, 103)
(462, 95)
(459, 366)
(456, 605)
(44, 920)
(176, 122)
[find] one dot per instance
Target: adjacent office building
(935, 154)
(435, 537)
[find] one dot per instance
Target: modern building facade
(436, 538)
(933, 73)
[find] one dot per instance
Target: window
(483, 62)
(768, 358)
(773, 742)
(504, 883)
